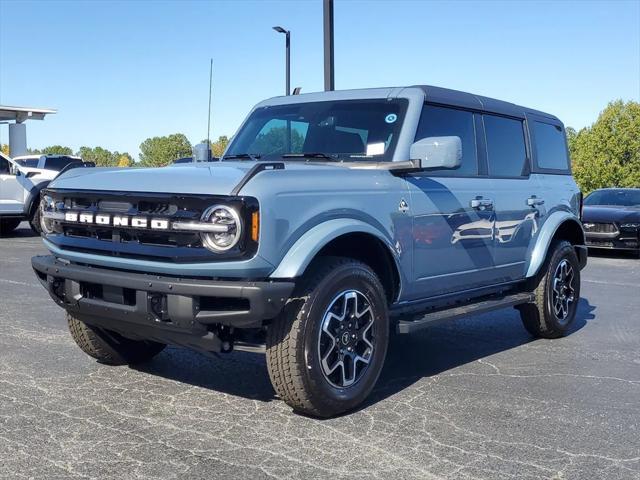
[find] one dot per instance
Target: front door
(11, 192)
(452, 212)
(453, 222)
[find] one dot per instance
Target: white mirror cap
(438, 152)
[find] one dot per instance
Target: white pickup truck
(20, 186)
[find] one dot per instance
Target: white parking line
(617, 284)
(14, 282)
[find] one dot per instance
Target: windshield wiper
(311, 155)
(249, 156)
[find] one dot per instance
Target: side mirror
(437, 152)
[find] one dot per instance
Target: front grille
(142, 243)
(600, 227)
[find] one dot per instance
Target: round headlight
(224, 217)
(46, 205)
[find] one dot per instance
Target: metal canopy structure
(20, 114)
(17, 129)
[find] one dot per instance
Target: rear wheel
(326, 350)
(8, 225)
(556, 294)
(109, 347)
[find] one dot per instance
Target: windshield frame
(402, 103)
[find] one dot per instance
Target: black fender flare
(33, 199)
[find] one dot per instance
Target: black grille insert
(130, 242)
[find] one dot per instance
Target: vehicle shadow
(450, 345)
(23, 231)
(409, 359)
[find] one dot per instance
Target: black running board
(410, 326)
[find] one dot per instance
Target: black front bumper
(168, 309)
(618, 241)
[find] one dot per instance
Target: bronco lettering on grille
(116, 220)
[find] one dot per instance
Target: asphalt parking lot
(475, 398)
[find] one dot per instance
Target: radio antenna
(209, 117)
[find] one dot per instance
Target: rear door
(452, 211)
(517, 198)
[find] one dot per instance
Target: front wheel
(110, 347)
(557, 293)
(326, 350)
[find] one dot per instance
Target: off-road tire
(538, 317)
(109, 347)
(8, 225)
(293, 360)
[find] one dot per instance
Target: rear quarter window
(550, 146)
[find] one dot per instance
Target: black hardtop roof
(478, 102)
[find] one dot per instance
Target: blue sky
(121, 71)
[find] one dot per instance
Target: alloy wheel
(563, 290)
(346, 338)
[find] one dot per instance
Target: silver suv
(332, 220)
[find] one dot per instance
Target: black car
(611, 219)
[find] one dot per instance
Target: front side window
(506, 151)
(445, 122)
(349, 130)
(551, 150)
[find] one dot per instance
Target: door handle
(480, 203)
(534, 201)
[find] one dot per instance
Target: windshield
(623, 198)
(349, 130)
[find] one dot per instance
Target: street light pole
(327, 17)
(288, 57)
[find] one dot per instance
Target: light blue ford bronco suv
(333, 220)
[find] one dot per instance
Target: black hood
(608, 214)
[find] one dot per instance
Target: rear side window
(4, 166)
(444, 122)
(58, 163)
(506, 151)
(551, 150)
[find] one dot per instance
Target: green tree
(161, 151)
(218, 147)
(607, 153)
(56, 150)
(124, 160)
(4, 148)
(105, 158)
